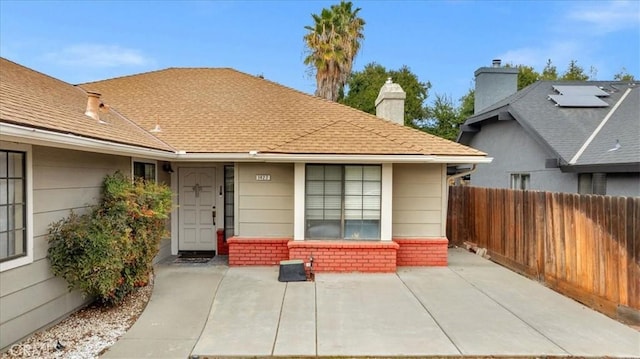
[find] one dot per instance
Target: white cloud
(97, 55)
(607, 16)
(581, 32)
(523, 56)
(560, 53)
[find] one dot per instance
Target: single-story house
(260, 172)
(558, 136)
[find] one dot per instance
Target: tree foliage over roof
(364, 86)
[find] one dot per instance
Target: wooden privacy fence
(584, 246)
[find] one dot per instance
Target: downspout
(452, 178)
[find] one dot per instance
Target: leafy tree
(526, 76)
(444, 119)
(574, 73)
(623, 75)
(467, 104)
(333, 42)
(364, 86)
(549, 72)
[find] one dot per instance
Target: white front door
(196, 209)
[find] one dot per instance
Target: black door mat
(197, 254)
(195, 257)
(189, 260)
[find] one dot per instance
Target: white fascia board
(309, 158)
(183, 156)
(14, 133)
(464, 159)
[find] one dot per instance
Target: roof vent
(156, 128)
(93, 105)
(496, 62)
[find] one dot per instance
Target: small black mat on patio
(194, 257)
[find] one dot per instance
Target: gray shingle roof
(565, 130)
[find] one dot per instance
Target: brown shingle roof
(32, 99)
(219, 110)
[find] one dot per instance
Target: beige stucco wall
(265, 208)
(418, 200)
(30, 296)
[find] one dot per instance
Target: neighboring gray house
(558, 136)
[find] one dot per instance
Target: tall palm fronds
(333, 42)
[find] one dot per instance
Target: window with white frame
(144, 170)
(520, 181)
(342, 201)
(13, 205)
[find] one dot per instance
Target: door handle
(213, 215)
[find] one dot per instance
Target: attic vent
(579, 96)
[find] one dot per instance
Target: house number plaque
(263, 177)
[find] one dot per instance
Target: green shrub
(108, 251)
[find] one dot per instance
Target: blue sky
(443, 42)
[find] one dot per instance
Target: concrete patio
(472, 307)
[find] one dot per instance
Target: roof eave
(16, 133)
(632, 167)
(348, 158)
(473, 124)
(42, 137)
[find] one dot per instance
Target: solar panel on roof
(578, 101)
(580, 90)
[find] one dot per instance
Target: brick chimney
(494, 84)
(93, 105)
(390, 102)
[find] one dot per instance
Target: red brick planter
(346, 256)
(428, 252)
(257, 251)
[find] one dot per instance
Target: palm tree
(333, 42)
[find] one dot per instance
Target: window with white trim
(342, 201)
(144, 170)
(520, 181)
(13, 205)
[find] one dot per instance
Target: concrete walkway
(172, 322)
(473, 307)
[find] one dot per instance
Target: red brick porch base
(346, 256)
(422, 251)
(340, 256)
(257, 251)
(223, 246)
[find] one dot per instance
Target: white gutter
(324, 158)
(461, 174)
(9, 132)
(597, 130)
(15, 133)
